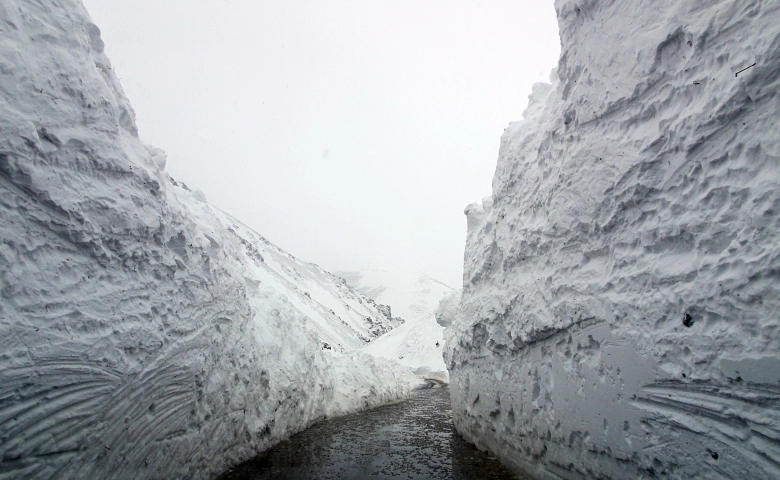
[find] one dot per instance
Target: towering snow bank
(141, 334)
(418, 343)
(620, 307)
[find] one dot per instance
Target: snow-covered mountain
(143, 333)
(342, 317)
(414, 296)
(621, 296)
(410, 295)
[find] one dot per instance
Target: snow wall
(134, 341)
(622, 287)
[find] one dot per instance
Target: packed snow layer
(418, 343)
(143, 333)
(622, 286)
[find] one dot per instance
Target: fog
(349, 133)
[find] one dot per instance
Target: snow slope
(414, 296)
(622, 286)
(342, 317)
(143, 333)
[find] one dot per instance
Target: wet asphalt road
(414, 439)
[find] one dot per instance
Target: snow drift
(622, 286)
(414, 296)
(143, 333)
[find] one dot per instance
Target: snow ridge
(141, 333)
(621, 285)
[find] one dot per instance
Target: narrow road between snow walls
(413, 439)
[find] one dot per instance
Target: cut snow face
(620, 304)
(144, 333)
(414, 296)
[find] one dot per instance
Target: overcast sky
(349, 133)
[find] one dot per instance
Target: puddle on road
(414, 439)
